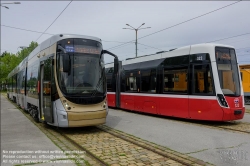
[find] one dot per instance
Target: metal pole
(136, 43)
(132, 28)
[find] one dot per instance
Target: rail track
(234, 126)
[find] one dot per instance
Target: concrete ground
(246, 118)
(219, 147)
(22, 141)
(247, 107)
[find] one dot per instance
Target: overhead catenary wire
(132, 43)
(230, 37)
(114, 41)
(150, 46)
(54, 20)
(25, 29)
(28, 30)
(178, 24)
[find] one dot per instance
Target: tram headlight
(105, 104)
(66, 105)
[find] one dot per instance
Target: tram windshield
(228, 71)
(87, 73)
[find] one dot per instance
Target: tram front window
(86, 75)
(228, 71)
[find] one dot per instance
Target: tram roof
(49, 42)
(172, 52)
(55, 38)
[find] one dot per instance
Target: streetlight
(136, 29)
(9, 3)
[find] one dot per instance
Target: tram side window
(47, 77)
(109, 79)
(202, 80)
(132, 82)
(14, 83)
(28, 80)
(123, 81)
(175, 80)
(19, 81)
(148, 81)
(23, 82)
(9, 85)
(32, 78)
(109, 83)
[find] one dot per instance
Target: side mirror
(66, 62)
(116, 65)
(116, 61)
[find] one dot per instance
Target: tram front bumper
(91, 118)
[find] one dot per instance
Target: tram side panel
(111, 99)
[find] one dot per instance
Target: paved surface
(247, 115)
(247, 106)
(118, 152)
(246, 118)
(218, 147)
(21, 139)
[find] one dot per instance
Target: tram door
(46, 107)
(202, 91)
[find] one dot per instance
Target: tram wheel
(34, 115)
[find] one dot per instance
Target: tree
(26, 51)
(8, 61)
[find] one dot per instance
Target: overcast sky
(105, 20)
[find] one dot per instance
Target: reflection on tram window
(175, 80)
(202, 79)
(32, 80)
(148, 81)
(46, 88)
